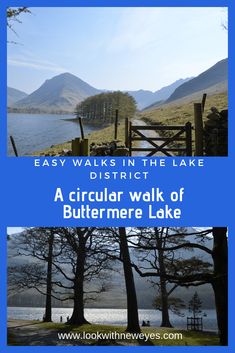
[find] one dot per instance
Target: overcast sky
(115, 48)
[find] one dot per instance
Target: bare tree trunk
(220, 281)
(164, 300)
(78, 317)
(163, 289)
(48, 309)
(132, 305)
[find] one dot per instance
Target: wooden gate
(165, 145)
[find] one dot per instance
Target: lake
(35, 132)
(111, 316)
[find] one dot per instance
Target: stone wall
(216, 133)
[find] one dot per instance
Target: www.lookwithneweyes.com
(119, 336)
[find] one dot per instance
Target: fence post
(198, 129)
(76, 147)
(14, 146)
(81, 127)
(203, 101)
(130, 140)
(188, 131)
(84, 147)
(126, 132)
(116, 124)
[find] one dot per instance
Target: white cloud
(28, 61)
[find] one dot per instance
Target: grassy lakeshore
(105, 134)
(175, 113)
(22, 332)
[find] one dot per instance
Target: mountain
(60, 93)
(146, 98)
(65, 91)
(214, 76)
(14, 95)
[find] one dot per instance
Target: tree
(48, 311)
(132, 305)
(116, 248)
(80, 262)
(220, 280)
(224, 22)
(195, 305)
(101, 107)
(39, 243)
(13, 15)
(72, 255)
(26, 276)
(175, 305)
(195, 272)
(151, 254)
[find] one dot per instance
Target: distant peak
(65, 75)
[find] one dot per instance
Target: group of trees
(102, 107)
(75, 264)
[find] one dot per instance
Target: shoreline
(38, 333)
(24, 322)
(101, 135)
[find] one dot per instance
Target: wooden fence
(194, 323)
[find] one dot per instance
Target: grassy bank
(100, 136)
(175, 113)
(180, 113)
(162, 336)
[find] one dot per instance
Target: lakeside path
(36, 333)
(146, 144)
(30, 333)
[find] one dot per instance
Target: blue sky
(14, 230)
(115, 48)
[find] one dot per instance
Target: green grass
(180, 113)
(170, 114)
(189, 338)
(100, 136)
(12, 339)
(177, 114)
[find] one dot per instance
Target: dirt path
(29, 333)
(146, 144)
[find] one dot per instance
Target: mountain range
(14, 95)
(145, 98)
(211, 77)
(63, 92)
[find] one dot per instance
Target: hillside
(61, 92)
(181, 111)
(14, 95)
(146, 98)
(217, 74)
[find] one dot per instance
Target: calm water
(34, 132)
(110, 316)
